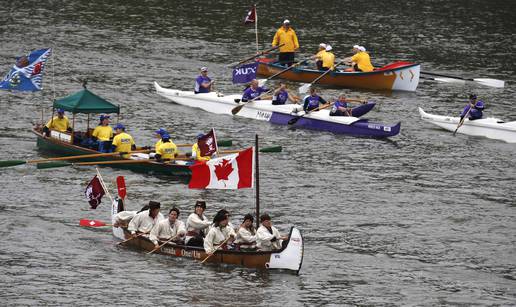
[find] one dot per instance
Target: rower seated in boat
(268, 237)
(318, 56)
(196, 150)
(169, 229)
(59, 123)
(196, 224)
(220, 236)
(473, 109)
(144, 221)
(203, 83)
(341, 107)
(246, 234)
(360, 61)
(253, 91)
(159, 133)
(167, 150)
(328, 59)
(281, 95)
(312, 101)
(123, 142)
(103, 133)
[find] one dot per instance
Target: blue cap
(60, 111)
(119, 126)
(200, 136)
(165, 136)
(102, 117)
(160, 131)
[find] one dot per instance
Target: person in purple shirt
(253, 91)
(341, 107)
(474, 107)
(203, 83)
(312, 101)
(281, 95)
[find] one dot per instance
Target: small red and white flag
(235, 171)
(208, 144)
(251, 16)
(94, 192)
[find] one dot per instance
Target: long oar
(93, 223)
(461, 122)
(305, 87)
(237, 109)
(209, 255)
(220, 143)
(265, 149)
(257, 55)
(63, 164)
(19, 162)
(262, 82)
(133, 237)
(159, 246)
(295, 119)
(483, 81)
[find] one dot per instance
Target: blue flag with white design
(245, 73)
(27, 73)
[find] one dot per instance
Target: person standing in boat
(281, 95)
(268, 237)
(196, 224)
(253, 91)
(360, 61)
(220, 235)
(203, 83)
(473, 109)
(312, 101)
(318, 56)
(171, 228)
(328, 59)
(287, 36)
(123, 142)
(167, 150)
(59, 123)
(103, 133)
(144, 221)
(246, 234)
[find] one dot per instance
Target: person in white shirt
(196, 225)
(168, 229)
(145, 220)
(246, 234)
(220, 235)
(268, 237)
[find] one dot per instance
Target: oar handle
(133, 237)
(259, 54)
(461, 122)
(161, 245)
(211, 254)
(325, 73)
(286, 69)
(87, 156)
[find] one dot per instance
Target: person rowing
(268, 238)
(168, 229)
(59, 123)
(281, 95)
(312, 101)
(246, 234)
(319, 55)
(341, 107)
(123, 142)
(167, 150)
(253, 91)
(144, 221)
(103, 133)
(328, 59)
(158, 134)
(360, 61)
(196, 150)
(196, 225)
(203, 83)
(473, 109)
(220, 235)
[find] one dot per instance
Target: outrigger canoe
(290, 257)
(492, 128)
(282, 114)
(397, 76)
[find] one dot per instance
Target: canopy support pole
(88, 126)
(73, 126)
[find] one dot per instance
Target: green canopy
(85, 102)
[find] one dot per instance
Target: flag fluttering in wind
(208, 144)
(251, 16)
(27, 73)
(230, 172)
(94, 192)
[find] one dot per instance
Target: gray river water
(424, 218)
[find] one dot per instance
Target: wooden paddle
(209, 255)
(93, 223)
(484, 81)
(257, 55)
(461, 122)
(19, 162)
(295, 119)
(133, 237)
(262, 82)
(220, 143)
(159, 246)
(126, 161)
(305, 87)
(237, 109)
(265, 149)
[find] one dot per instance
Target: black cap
(154, 204)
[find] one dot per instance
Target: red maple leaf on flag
(223, 169)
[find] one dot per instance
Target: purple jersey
(281, 97)
(198, 82)
(476, 112)
(312, 102)
(250, 94)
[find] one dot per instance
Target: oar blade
(293, 120)
(224, 143)
(490, 82)
(272, 149)
(303, 89)
(237, 109)
(52, 165)
(91, 223)
(8, 163)
(261, 82)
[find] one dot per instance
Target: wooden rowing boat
(397, 76)
(492, 128)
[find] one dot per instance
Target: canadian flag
(235, 171)
(251, 16)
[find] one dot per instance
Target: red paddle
(120, 183)
(92, 223)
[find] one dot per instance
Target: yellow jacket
(363, 61)
(196, 153)
(286, 37)
(59, 124)
(328, 60)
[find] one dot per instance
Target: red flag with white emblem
(251, 16)
(233, 171)
(94, 192)
(208, 144)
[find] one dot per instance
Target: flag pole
(103, 184)
(257, 181)
(256, 27)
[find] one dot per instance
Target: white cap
(361, 48)
(356, 47)
(328, 48)
(286, 21)
(204, 68)
(322, 45)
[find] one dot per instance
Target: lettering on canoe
(373, 126)
(179, 252)
(387, 129)
(263, 115)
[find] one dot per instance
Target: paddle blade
(490, 82)
(52, 165)
(8, 163)
(272, 149)
(92, 223)
(261, 82)
(224, 143)
(237, 109)
(120, 184)
(303, 89)
(294, 120)
(449, 80)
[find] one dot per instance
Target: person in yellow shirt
(328, 59)
(159, 135)
(360, 61)
(123, 142)
(196, 151)
(318, 56)
(59, 123)
(286, 36)
(103, 133)
(167, 150)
